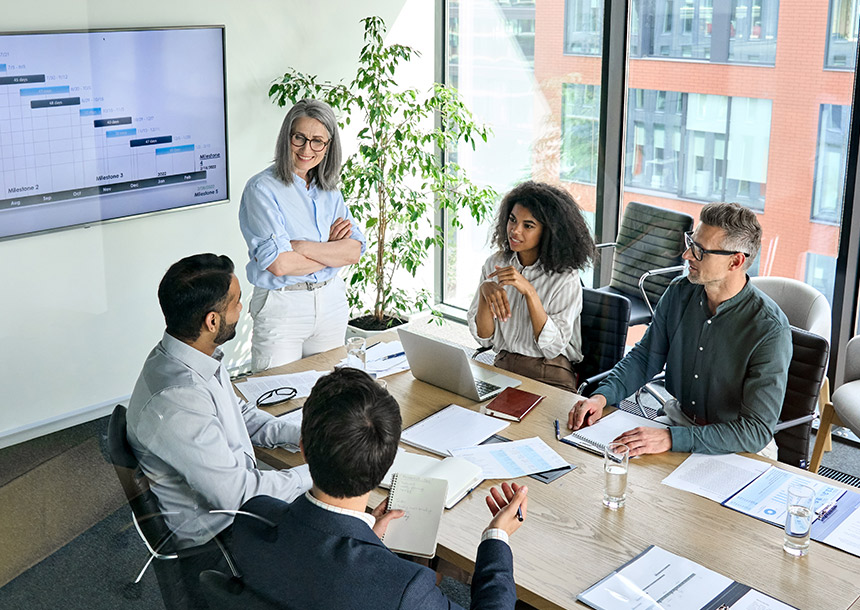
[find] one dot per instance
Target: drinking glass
(615, 460)
(800, 509)
(356, 356)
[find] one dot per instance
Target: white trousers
(676, 417)
(289, 325)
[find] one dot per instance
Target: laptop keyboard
(485, 388)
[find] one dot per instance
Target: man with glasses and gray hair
(726, 347)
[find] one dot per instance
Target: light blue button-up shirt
(272, 214)
(193, 438)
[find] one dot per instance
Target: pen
(390, 356)
(826, 510)
(519, 513)
(557, 433)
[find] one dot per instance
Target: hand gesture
(586, 412)
(508, 276)
(341, 228)
(383, 518)
(504, 508)
(496, 297)
(644, 440)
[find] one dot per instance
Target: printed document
(716, 477)
(514, 459)
(452, 428)
(383, 359)
(254, 387)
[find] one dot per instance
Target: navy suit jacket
(315, 558)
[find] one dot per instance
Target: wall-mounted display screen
(99, 125)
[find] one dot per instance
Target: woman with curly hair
(528, 303)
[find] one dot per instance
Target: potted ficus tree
(397, 174)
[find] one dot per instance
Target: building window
(742, 31)
(842, 35)
(700, 147)
(830, 161)
(583, 27)
(820, 273)
(580, 109)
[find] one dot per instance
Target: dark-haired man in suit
(324, 550)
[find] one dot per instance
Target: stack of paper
(254, 387)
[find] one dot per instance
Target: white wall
(78, 308)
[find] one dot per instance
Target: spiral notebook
(423, 501)
(595, 437)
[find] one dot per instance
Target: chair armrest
(648, 274)
(798, 421)
(480, 351)
(588, 384)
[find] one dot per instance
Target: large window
(711, 115)
(698, 146)
(842, 34)
(583, 27)
(830, 159)
(722, 31)
(580, 108)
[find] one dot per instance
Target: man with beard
(725, 344)
(190, 432)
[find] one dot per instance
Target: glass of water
(800, 510)
(615, 460)
(356, 356)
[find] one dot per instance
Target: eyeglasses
(699, 252)
(276, 397)
(317, 145)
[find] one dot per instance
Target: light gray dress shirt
(561, 297)
(193, 439)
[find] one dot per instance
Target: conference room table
(569, 541)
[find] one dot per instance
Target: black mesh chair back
(604, 322)
(148, 518)
(649, 239)
(805, 374)
(224, 592)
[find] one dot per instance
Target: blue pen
(519, 513)
(557, 433)
(390, 356)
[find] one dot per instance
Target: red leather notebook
(513, 404)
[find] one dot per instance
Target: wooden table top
(569, 541)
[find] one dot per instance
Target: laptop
(447, 366)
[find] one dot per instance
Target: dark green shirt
(729, 369)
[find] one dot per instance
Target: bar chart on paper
(97, 126)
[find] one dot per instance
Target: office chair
(648, 253)
(148, 519)
(806, 372)
(603, 323)
(843, 409)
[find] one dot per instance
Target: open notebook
(462, 476)
(595, 437)
(423, 500)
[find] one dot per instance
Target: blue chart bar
(118, 133)
(174, 149)
(151, 141)
(44, 90)
(2, 67)
(65, 101)
(90, 111)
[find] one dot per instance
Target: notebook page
(608, 428)
(451, 428)
(462, 476)
(423, 500)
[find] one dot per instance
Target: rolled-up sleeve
(261, 221)
(563, 309)
(343, 212)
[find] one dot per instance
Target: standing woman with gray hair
(299, 234)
